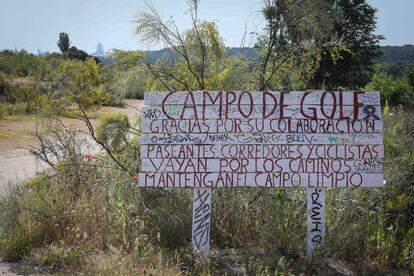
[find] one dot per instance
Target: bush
(20, 64)
(396, 91)
(3, 110)
(32, 100)
(57, 256)
(6, 88)
(16, 109)
(113, 131)
(22, 224)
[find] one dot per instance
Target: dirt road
(17, 133)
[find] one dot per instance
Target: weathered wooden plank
(316, 201)
(263, 138)
(241, 151)
(200, 232)
(258, 180)
(261, 165)
(261, 126)
(293, 97)
(259, 112)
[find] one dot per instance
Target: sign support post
(200, 237)
(316, 201)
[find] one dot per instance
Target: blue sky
(36, 24)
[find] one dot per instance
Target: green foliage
(18, 244)
(3, 111)
(197, 53)
(378, 223)
(6, 88)
(394, 91)
(236, 75)
(239, 214)
(293, 37)
(19, 64)
(32, 100)
(113, 131)
(15, 109)
(81, 74)
(51, 84)
(395, 82)
(72, 52)
(75, 53)
(127, 76)
(63, 42)
(20, 229)
(27, 96)
(80, 81)
(126, 60)
(396, 71)
(387, 109)
(57, 256)
(354, 23)
(399, 55)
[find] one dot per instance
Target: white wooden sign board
(239, 139)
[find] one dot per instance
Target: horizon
(110, 23)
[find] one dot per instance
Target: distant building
(99, 48)
(41, 54)
(99, 51)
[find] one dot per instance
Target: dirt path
(5, 269)
(17, 133)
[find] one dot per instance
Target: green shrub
(395, 91)
(17, 245)
(113, 100)
(20, 230)
(3, 110)
(56, 256)
(16, 109)
(21, 64)
(113, 130)
(32, 100)
(377, 223)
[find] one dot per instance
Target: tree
(127, 76)
(197, 51)
(75, 53)
(63, 42)
(72, 52)
(354, 22)
(295, 32)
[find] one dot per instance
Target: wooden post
(201, 221)
(316, 218)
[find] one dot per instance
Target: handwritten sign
(261, 139)
(211, 139)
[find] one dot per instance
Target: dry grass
(116, 263)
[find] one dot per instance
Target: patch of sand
(17, 133)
